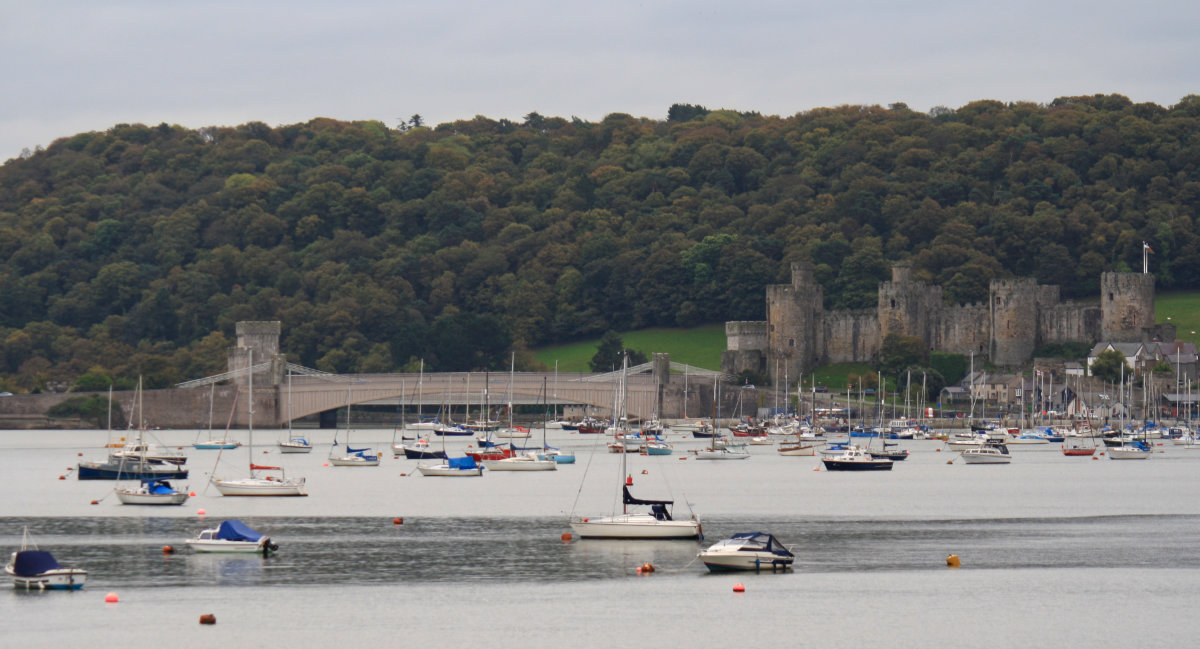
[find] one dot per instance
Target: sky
(71, 66)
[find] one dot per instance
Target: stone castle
(1019, 316)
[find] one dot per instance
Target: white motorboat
(232, 536)
(152, 492)
(34, 569)
(527, 461)
(747, 551)
(989, 453)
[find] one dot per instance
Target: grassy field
(1181, 310)
(699, 346)
(702, 346)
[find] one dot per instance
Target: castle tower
(263, 339)
(1126, 306)
(907, 307)
(793, 314)
(1013, 310)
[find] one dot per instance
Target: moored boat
(747, 551)
(855, 458)
(34, 569)
(152, 492)
(232, 536)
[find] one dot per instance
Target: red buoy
(111, 598)
(644, 472)
(200, 512)
(566, 537)
(629, 480)
(95, 502)
(738, 588)
(397, 521)
(168, 549)
(208, 618)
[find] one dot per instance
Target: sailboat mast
(250, 410)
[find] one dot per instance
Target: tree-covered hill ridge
(136, 249)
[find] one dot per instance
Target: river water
(1056, 551)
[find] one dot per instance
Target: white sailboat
(270, 484)
(354, 456)
(211, 443)
(295, 443)
(657, 524)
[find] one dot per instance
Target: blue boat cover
(159, 487)
(30, 563)
(462, 462)
(630, 500)
(765, 541)
(235, 530)
(357, 450)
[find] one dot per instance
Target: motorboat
(232, 536)
(154, 491)
(419, 449)
(747, 551)
(855, 458)
(150, 452)
(990, 452)
(657, 448)
(34, 569)
(452, 467)
(527, 461)
(115, 468)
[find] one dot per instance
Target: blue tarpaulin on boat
(357, 450)
(630, 500)
(33, 562)
(158, 486)
(462, 462)
(235, 530)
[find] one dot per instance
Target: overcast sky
(73, 66)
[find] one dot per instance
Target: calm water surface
(1056, 551)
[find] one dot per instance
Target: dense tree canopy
(135, 250)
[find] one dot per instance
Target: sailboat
(214, 444)
(295, 443)
(657, 524)
(354, 456)
(721, 449)
(268, 485)
(31, 568)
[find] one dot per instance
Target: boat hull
(215, 445)
(635, 526)
(728, 561)
(444, 471)
(128, 497)
(294, 447)
(833, 464)
(983, 458)
(218, 545)
(1079, 451)
(128, 471)
(799, 450)
(261, 487)
(1127, 454)
(353, 460)
(61, 579)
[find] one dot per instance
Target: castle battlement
(1018, 316)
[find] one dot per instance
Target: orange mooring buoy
(208, 618)
(397, 521)
(738, 588)
(566, 537)
(111, 598)
(167, 549)
(628, 480)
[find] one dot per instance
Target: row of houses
(1142, 357)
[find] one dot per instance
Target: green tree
(1110, 365)
(610, 351)
(899, 352)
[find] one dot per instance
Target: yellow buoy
(952, 561)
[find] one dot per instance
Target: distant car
(5, 394)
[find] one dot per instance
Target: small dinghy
(232, 536)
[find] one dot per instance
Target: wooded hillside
(134, 251)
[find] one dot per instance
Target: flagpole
(1145, 258)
